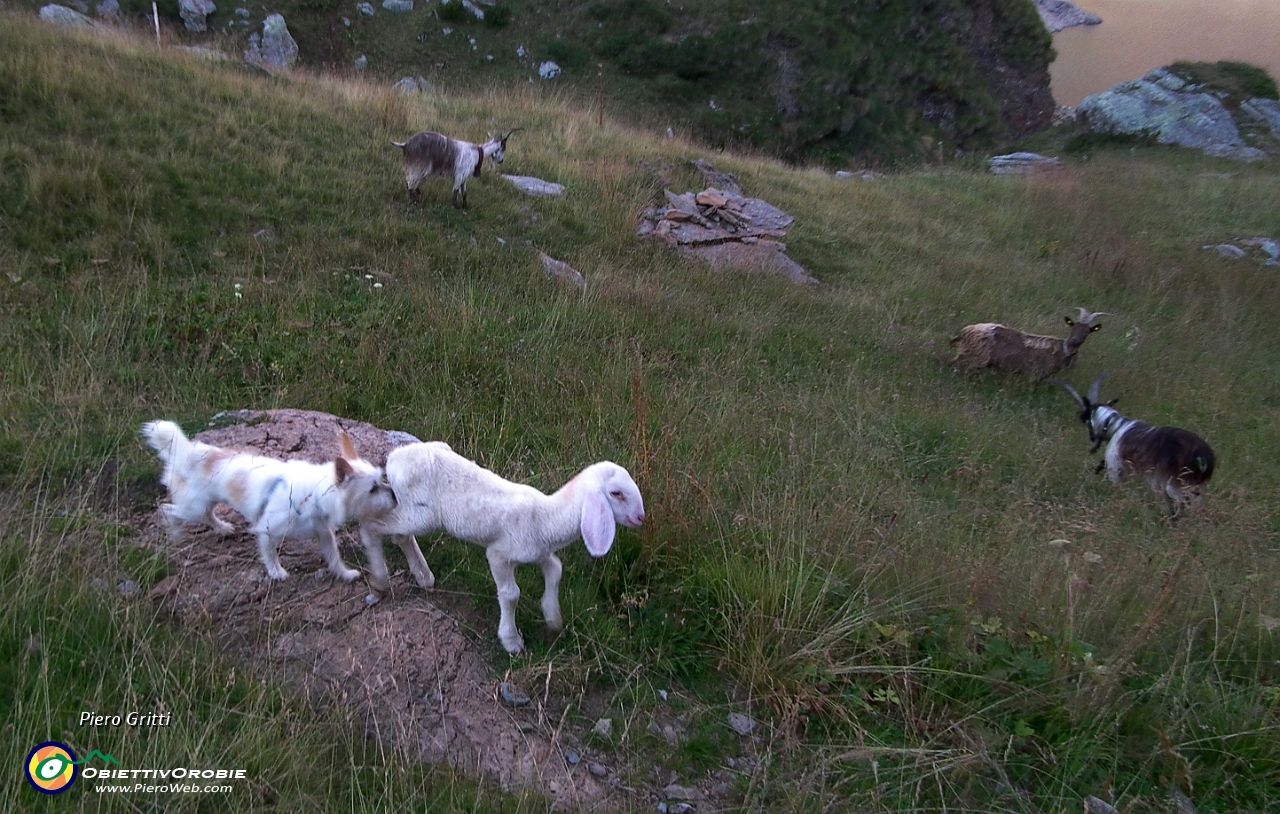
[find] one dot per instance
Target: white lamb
(439, 490)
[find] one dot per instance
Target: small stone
(572, 758)
(362, 62)
(662, 694)
(370, 600)
(127, 587)
(603, 727)
(1228, 251)
(398, 6)
(512, 695)
(548, 70)
(597, 769)
(678, 792)
(365, 9)
(741, 724)
(1018, 163)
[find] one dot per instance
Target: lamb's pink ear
(597, 524)
(346, 447)
(343, 469)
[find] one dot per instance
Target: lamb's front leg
(504, 577)
(551, 571)
(417, 563)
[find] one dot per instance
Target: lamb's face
(624, 498)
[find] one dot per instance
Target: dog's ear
(343, 469)
(347, 448)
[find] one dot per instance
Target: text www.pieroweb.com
(172, 781)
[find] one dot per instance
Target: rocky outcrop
(1166, 108)
(1062, 14)
(194, 12)
(274, 48)
(61, 15)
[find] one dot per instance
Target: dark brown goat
(1174, 461)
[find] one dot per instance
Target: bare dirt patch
(407, 664)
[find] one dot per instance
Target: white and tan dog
(293, 499)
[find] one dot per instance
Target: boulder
(61, 15)
(1018, 163)
(536, 187)
(1061, 14)
(411, 84)
(548, 70)
(398, 6)
(194, 12)
(1165, 107)
(275, 48)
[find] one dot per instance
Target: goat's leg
(504, 577)
(417, 563)
(329, 548)
(551, 570)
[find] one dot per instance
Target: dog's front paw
(347, 574)
(277, 572)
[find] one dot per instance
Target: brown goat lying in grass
(989, 344)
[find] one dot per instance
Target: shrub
(569, 55)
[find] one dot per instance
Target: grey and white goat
(426, 154)
(990, 344)
(1173, 461)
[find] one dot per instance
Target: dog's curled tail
(167, 439)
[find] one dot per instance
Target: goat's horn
(1093, 388)
(1070, 390)
(509, 132)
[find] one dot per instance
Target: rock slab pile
(724, 228)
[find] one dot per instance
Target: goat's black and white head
(496, 147)
(1102, 420)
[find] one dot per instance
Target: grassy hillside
(912, 576)
(830, 80)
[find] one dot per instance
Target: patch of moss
(1240, 81)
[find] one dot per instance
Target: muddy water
(1138, 35)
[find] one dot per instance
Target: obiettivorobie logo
(52, 766)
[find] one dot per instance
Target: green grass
(911, 575)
